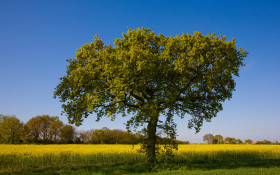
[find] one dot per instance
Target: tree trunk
(151, 140)
(55, 137)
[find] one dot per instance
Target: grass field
(125, 159)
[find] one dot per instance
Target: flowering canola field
(36, 156)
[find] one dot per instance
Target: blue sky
(36, 38)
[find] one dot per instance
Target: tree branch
(137, 97)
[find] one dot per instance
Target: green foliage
(149, 75)
(238, 141)
(3, 117)
(230, 140)
(43, 129)
(11, 130)
(209, 138)
(67, 133)
(248, 141)
(107, 136)
(55, 128)
(145, 73)
(264, 142)
(218, 139)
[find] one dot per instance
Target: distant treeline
(47, 129)
(219, 139)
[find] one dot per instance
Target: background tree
(248, 141)
(86, 136)
(11, 129)
(45, 125)
(218, 139)
(67, 133)
(149, 75)
(182, 142)
(3, 117)
(43, 129)
(138, 138)
(101, 136)
(34, 129)
(230, 140)
(130, 138)
(264, 142)
(55, 127)
(117, 136)
(238, 141)
(208, 138)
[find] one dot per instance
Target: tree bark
(151, 140)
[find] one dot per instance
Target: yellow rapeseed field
(30, 156)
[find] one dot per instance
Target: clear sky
(36, 38)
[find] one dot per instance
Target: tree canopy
(11, 129)
(148, 75)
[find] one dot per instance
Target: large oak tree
(149, 75)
